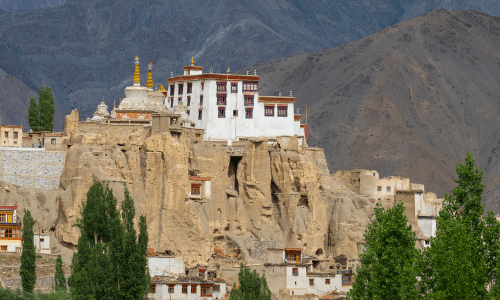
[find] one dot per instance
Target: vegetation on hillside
(251, 286)
(41, 116)
(28, 256)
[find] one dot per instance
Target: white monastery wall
(11, 244)
(428, 226)
(163, 266)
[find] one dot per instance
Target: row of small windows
(221, 87)
(206, 291)
(269, 112)
(387, 189)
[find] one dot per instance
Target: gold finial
(161, 89)
(192, 60)
(137, 75)
(149, 83)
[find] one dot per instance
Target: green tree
(388, 266)
(28, 256)
(60, 280)
(34, 115)
(463, 256)
(251, 286)
(46, 107)
(110, 262)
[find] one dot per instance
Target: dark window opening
(221, 99)
(249, 100)
(200, 113)
(222, 111)
(282, 111)
(269, 111)
(249, 112)
(319, 251)
(235, 113)
(190, 88)
(234, 87)
(189, 101)
(181, 89)
(201, 100)
(172, 89)
(221, 86)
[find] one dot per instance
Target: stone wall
(33, 168)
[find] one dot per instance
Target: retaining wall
(32, 167)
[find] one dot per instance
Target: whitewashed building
(186, 288)
(229, 107)
(166, 265)
(42, 243)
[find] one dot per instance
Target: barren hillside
(410, 100)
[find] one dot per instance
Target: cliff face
(258, 193)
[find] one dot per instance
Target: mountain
(84, 50)
(410, 100)
(13, 5)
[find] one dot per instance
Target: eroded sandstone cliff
(259, 191)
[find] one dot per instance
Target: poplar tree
(46, 107)
(34, 115)
(110, 262)
(59, 279)
(463, 257)
(251, 286)
(28, 256)
(388, 266)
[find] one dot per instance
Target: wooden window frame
(311, 282)
(172, 89)
(250, 86)
(282, 111)
(223, 110)
(221, 86)
(269, 113)
(188, 101)
(171, 289)
(196, 189)
(327, 281)
(189, 87)
(346, 279)
(201, 100)
(249, 100)
(153, 288)
(194, 289)
(221, 99)
(248, 112)
(184, 288)
(200, 113)
(180, 89)
(295, 271)
(234, 87)
(206, 291)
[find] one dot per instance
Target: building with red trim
(10, 229)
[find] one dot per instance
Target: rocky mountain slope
(84, 49)
(410, 100)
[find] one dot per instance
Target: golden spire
(192, 60)
(161, 89)
(149, 83)
(137, 75)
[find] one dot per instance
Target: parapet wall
(32, 167)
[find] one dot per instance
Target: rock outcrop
(259, 192)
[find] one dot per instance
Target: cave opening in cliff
(303, 201)
(232, 172)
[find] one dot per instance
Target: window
(184, 289)
(190, 88)
(170, 289)
(379, 188)
(282, 111)
(295, 271)
(153, 288)
(222, 111)
(18, 232)
(373, 174)
(388, 189)
(189, 101)
(221, 86)
(53, 141)
(216, 288)
(42, 240)
(248, 100)
(235, 113)
(311, 282)
(8, 232)
(193, 289)
(195, 189)
(6, 134)
(171, 102)
(200, 112)
(346, 279)
(179, 100)
(269, 111)
(292, 257)
(249, 112)
(2, 231)
(16, 135)
(172, 89)
(202, 86)
(206, 291)
(3, 218)
(234, 87)
(181, 89)
(201, 100)
(221, 99)
(188, 111)
(4, 248)
(250, 86)
(327, 281)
